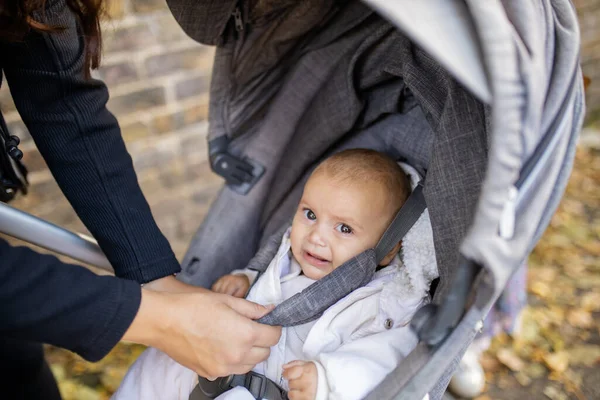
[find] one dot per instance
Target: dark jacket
(42, 299)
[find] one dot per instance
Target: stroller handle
(433, 323)
(27, 227)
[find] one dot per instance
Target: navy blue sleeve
(82, 145)
(45, 300)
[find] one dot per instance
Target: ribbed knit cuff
(122, 305)
(149, 272)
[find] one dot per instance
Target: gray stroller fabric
(355, 75)
(295, 81)
(531, 53)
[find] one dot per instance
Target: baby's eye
(309, 214)
(345, 229)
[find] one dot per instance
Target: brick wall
(588, 12)
(158, 80)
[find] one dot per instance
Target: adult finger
(248, 309)
(266, 335)
(256, 355)
(239, 369)
(263, 335)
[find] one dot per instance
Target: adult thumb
(249, 309)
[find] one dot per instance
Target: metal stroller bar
(34, 230)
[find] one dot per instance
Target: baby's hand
(233, 285)
(302, 378)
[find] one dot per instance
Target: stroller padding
(357, 86)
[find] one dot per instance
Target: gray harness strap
(258, 385)
(405, 219)
(309, 304)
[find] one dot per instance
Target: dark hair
(16, 20)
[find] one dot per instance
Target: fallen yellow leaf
(585, 354)
(591, 301)
(535, 370)
(554, 394)
(580, 318)
(489, 363)
(558, 361)
(510, 359)
(592, 247)
(523, 379)
(540, 289)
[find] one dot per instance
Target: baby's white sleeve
(156, 376)
(355, 368)
(322, 385)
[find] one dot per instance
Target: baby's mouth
(314, 259)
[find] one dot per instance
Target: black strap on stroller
(258, 385)
(13, 174)
(316, 298)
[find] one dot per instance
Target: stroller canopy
(498, 83)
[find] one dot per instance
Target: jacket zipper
(533, 166)
(237, 18)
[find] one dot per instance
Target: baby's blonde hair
(356, 166)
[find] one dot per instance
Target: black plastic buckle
(256, 384)
(212, 389)
(240, 174)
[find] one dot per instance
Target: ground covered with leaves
(557, 353)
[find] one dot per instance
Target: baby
(347, 204)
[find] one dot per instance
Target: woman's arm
(45, 300)
(82, 145)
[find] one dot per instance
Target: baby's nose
(316, 238)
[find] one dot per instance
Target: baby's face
(337, 221)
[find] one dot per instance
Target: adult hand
(210, 333)
(171, 284)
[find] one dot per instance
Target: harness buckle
(212, 389)
(240, 174)
(256, 384)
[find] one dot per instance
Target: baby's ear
(390, 256)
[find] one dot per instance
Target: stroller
(483, 98)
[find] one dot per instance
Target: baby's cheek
(345, 251)
(296, 243)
